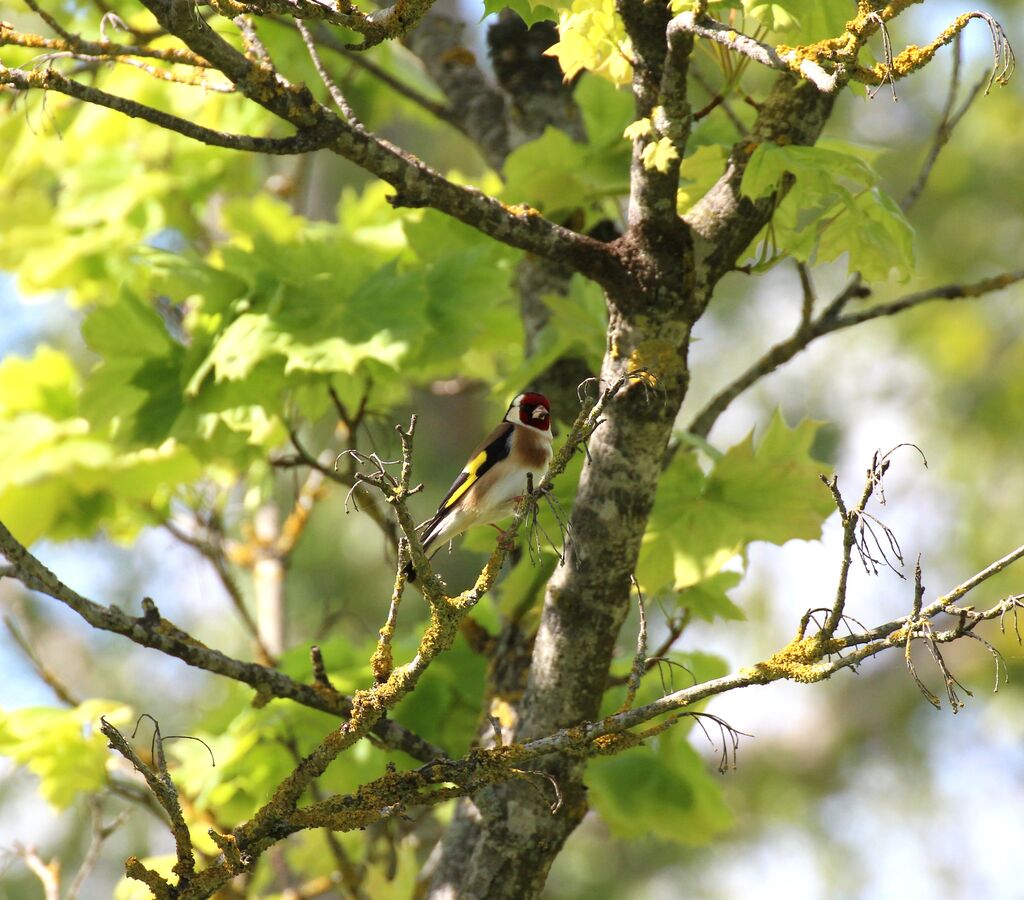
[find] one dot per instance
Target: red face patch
(534, 410)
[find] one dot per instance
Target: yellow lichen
(523, 209)
(459, 56)
(382, 661)
(608, 744)
(801, 660)
(655, 360)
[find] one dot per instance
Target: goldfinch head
(530, 409)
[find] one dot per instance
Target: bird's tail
(431, 531)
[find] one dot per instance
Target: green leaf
(816, 20)
(698, 173)
(666, 787)
(708, 599)
(60, 481)
(816, 169)
(576, 328)
(659, 154)
(63, 747)
(876, 235)
(593, 38)
(445, 708)
(558, 176)
(772, 15)
(835, 206)
(774, 490)
(527, 10)
(699, 522)
(663, 783)
(136, 385)
(47, 383)
(638, 129)
(606, 112)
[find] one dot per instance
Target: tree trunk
(502, 842)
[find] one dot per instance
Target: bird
(495, 476)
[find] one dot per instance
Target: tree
(240, 342)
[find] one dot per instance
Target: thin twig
(49, 79)
(47, 873)
(42, 670)
(831, 320)
(332, 88)
(99, 833)
(214, 553)
(320, 675)
(636, 673)
(328, 39)
(162, 786)
(152, 630)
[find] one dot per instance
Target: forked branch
(831, 63)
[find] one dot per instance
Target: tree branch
(162, 787)
(382, 24)
(41, 669)
(213, 552)
(781, 59)
(831, 320)
(98, 834)
(152, 630)
(274, 820)
(914, 57)
(47, 873)
(805, 660)
(328, 39)
(51, 80)
(661, 56)
(724, 221)
(415, 183)
(73, 43)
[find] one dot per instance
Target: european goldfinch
(494, 478)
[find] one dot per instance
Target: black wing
(492, 450)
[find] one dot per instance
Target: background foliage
(187, 307)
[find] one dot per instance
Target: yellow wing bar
(470, 472)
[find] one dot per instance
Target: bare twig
(830, 320)
(152, 630)
(99, 833)
(49, 79)
(803, 660)
(913, 57)
(640, 658)
(887, 60)
(47, 873)
(332, 88)
(556, 804)
(212, 549)
(162, 786)
(730, 738)
(809, 294)
(351, 875)
(320, 675)
(382, 662)
(42, 670)
(858, 524)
